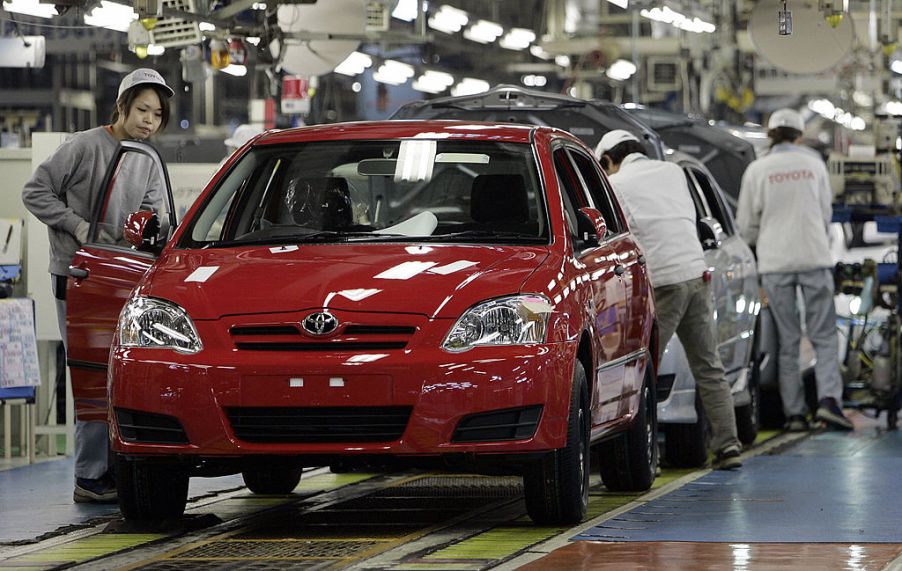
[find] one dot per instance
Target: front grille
(664, 386)
(264, 330)
(320, 346)
(510, 424)
(379, 330)
(150, 428)
(287, 336)
(319, 424)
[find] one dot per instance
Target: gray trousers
(685, 308)
(92, 439)
(820, 322)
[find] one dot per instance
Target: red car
(431, 292)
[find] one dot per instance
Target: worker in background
(784, 213)
(61, 194)
(242, 134)
(661, 216)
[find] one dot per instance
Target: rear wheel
(150, 492)
(557, 487)
(629, 461)
(272, 481)
(686, 445)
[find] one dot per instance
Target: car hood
(433, 280)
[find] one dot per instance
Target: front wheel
(630, 460)
(150, 492)
(557, 487)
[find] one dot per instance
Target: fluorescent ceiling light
(406, 10)
(539, 52)
(622, 3)
(155, 49)
(484, 32)
(517, 39)
(433, 82)
(896, 66)
(470, 86)
(393, 72)
(236, 70)
(30, 8)
(621, 69)
(254, 40)
(354, 64)
(111, 16)
(534, 80)
(206, 27)
(674, 18)
(826, 109)
(449, 20)
(562, 60)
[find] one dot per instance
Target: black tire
(280, 481)
(556, 488)
(629, 461)
(686, 445)
(150, 492)
(748, 417)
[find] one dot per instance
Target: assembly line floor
(821, 501)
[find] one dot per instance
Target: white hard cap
(611, 139)
(141, 76)
(243, 134)
(786, 118)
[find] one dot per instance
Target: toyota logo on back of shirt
(320, 323)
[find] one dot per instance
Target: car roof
(726, 155)
(375, 130)
(586, 119)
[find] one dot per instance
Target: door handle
(78, 273)
(619, 269)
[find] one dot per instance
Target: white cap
(611, 139)
(786, 118)
(243, 134)
(141, 76)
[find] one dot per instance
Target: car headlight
(154, 323)
(514, 320)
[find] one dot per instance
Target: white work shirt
(661, 215)
(785, 210)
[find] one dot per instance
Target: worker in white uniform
(784, 213)
(661, 215)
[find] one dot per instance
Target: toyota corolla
(432, 292)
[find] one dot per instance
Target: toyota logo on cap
(320, 323)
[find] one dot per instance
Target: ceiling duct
(171, 32)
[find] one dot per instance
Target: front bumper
(202, 392)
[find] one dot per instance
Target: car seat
(500, 202)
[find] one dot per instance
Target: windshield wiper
(479, 234)
(320, 236)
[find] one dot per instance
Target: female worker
(61, 194)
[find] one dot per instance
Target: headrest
(499, 198)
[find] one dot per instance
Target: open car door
(107, 268)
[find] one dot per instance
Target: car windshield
(365, 191)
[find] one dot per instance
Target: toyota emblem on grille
(320, 323)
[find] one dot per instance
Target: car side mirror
(142, 229)
(591, 225)
(710, 233)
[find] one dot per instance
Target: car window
(440, 190)
(573, 196)
(599, 192)
(714, 197)
(701, 205)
